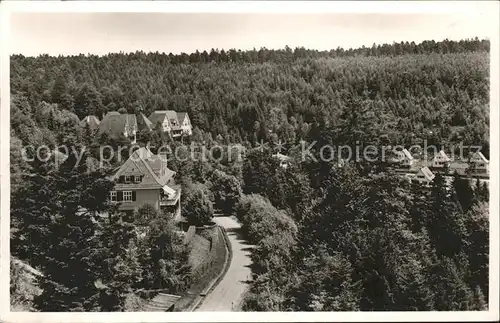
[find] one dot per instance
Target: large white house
(145, 179)
(175, 123)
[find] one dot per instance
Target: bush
(261, 219)
(197, 207)
(226, 190)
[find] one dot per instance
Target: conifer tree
(68, 259)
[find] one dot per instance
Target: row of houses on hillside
(114, 123)
(476, 162)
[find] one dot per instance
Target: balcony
(170, 199)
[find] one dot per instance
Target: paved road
(228, 293)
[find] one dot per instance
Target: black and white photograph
(250, 161)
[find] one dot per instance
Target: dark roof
(144, 123)
(146, 162)
(115, 123)
(157, 116)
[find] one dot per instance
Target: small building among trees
(441, 160)
(424, 176)
(145, 179)
(91, 121)
(479, 164)
(116, 124)
(284, 160)
(404, 158)
(175, 123)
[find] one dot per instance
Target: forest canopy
(437, 91)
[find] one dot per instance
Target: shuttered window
(113, 196)
(127, 196)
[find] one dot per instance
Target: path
(229, 292)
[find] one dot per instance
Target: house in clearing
(424, 176)
(284, 160)
(116, 124)
(479, 164)
(145, 179)
(91, 121)
(405, 158)
(175, 123)
(441, 160)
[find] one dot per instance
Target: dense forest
(328, 236)
(434, 91)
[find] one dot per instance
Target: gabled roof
(282, 157)
(405, 154)
(172, 118)
(144, 162)
(441, 155)
(116, 123)
(181, 116)
(143, 122)
(478, 157)
(92, 121)
(175, 119)
(427, 173)
(157, 116)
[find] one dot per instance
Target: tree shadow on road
(237, 233)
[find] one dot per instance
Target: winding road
(227, 295)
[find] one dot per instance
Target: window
(113, 196)
(127, 196)
(137, 179)
(128, 179)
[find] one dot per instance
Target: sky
(32, 34)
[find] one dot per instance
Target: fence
(213, 263)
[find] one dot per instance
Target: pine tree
(117, 258)
(32, 207)
(446, 225)
(68, 258)
(464, 191)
